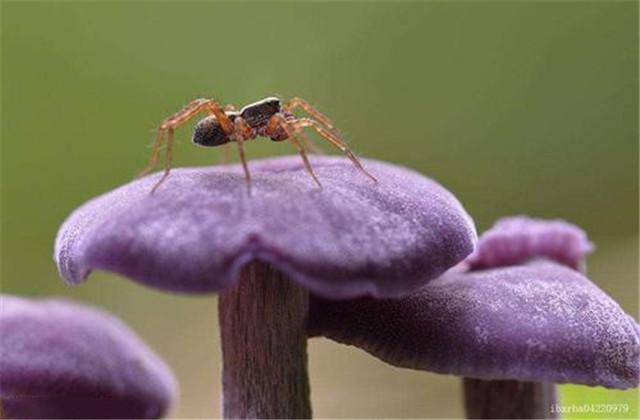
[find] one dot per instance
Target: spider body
(258, 114)
(209, 133)
(265, 118)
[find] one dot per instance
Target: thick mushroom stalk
(514, 329)
(280, 306)
(265, 252)
(59, 359)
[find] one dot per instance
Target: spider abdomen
(209, 133)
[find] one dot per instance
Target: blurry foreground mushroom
(516, 317)
(59, 359)
(264, 252)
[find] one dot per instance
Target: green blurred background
(517, 107)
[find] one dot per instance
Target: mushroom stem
(264, 346)
(508, 399)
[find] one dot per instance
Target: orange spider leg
(181, 117)
(308, 143)
(153, 162)
(335, 140)
(309, 109)
(247, 174)
(167, 159)
(244, 131)
(174, 121)
(299, 102)
(276, 121)
(226, 152)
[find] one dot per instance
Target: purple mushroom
(512, 320)
(267, 251)
(59, 359)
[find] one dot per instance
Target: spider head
(208, 132)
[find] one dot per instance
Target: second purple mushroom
(515, 318)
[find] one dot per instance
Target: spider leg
(167, 159)
(277, 120)
(323, 119)
(301, 103)
(226, 153)
(307, 143)
(174, 121)
(198, 105)
(243, 159)
(153, 161)
(244, 131)
(335, 140)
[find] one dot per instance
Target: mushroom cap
(349, 239)
(514, 240)
(536, 321)
(59, 359)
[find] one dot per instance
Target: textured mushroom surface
(513, 240)
(59, 359)
(349, 239)
(516, 309)
(540, 321)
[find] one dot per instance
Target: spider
(266, 118)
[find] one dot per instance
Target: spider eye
(209, 133)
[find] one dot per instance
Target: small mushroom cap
(536, 321)
(59, 359)
(350, 238)
(514, 240)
